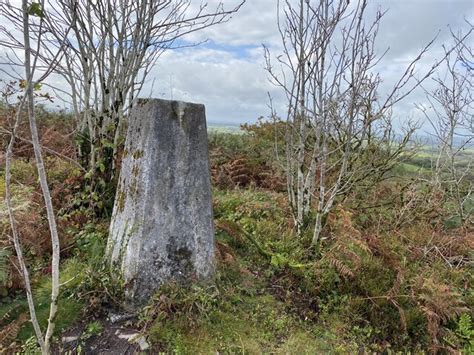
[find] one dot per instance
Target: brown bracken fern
(9, 333)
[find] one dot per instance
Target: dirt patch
(111, 335)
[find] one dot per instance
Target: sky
(227, 72)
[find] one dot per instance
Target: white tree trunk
(29, 70)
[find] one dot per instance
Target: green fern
(4, 266)
(465, 332)
(30, 346)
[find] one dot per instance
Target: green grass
(245, 319)
(258, 306)
(69, 310)
(289, 299)
(244, 312)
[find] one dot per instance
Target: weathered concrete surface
(162, 223)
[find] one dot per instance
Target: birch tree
(109, 50)
(117, 45)
(32, 15)
(450, 113)
(336, 116)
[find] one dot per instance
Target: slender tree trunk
(15, 233)
(301, 119)
(43, 182)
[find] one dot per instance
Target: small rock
(69, 339)
(117, 317)
(127, 336)
(142, 343)
(134, 338)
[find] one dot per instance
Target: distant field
(421, 162)
(224, 129)
(431, 152)
(425, 158)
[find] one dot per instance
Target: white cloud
(236, 86)
(233, 89)
(253, 25)
(227, 74)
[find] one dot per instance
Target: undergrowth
(368, 288)
(392, 273)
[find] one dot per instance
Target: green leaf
(101, 167)
(4, 265)
(465, 329)
(35, 10)
(278, 260)
(102, 183)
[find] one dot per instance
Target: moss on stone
(121, 195)
(138, 154)
(135, 170)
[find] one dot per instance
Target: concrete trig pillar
(162, 223)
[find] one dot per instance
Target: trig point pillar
(162, 223)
